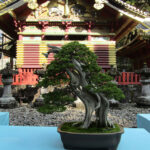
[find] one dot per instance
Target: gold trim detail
(32, 4)
(43, 49)
(112, 54)
(20, 54)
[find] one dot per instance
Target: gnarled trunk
(101, 113)
(90, 103)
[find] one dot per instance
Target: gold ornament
(99, 4)
(32, 4)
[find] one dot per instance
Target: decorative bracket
(44, 26)
(19, 25)
(67, 25)
(90, 24)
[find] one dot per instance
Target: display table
(143, 121)
(47, 138)
(4, 118)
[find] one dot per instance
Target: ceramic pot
(99, 141)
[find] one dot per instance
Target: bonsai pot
(99, 141)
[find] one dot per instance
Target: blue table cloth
(47, 138)
(143, 121)
(4, 118)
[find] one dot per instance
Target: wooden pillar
(67, 27)
(90, 25)
(20, 37)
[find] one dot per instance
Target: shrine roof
(8, 5)
(127, 9)
(125, 6)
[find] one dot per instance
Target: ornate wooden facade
(36, 23)
(136, 46)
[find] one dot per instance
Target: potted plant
(75, 68)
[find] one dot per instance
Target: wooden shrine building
(33, 24)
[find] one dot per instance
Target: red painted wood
(31, 56)
(24, 77)
(103, 57)
(132, 76)
(124, 77)
(27, 77)
(127, 78)
(20, 37)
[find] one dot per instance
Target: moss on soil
(69, 127)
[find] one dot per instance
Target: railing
(27, 77)
(24, 77)
(127, 78)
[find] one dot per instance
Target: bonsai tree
(75, 68)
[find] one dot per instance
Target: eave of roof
(125, 9)
(141, 34)
(128, 44)
(130, 8)
(11, 6)
(134, 17)
(6, 3)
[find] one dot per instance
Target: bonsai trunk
(101, 116)
(92, 101)
(89, 104)
(101, 113)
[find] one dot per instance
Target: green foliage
(55, 101)
(112, 91)
(69, 127)
(56, 75)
